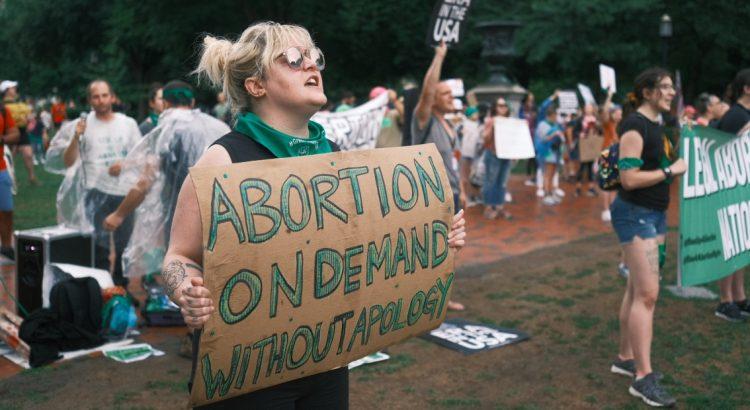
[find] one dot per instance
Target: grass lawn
(566, 297)
(34, 205)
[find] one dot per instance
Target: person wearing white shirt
(101, 140)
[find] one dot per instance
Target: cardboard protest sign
(513, 138)
(714, 205)
(568, 101)
(357, 128)
(590, 147)
(607, 78)
(468, 337)
(317, 261)
(457, 87)
(446, 20)
(588, 96)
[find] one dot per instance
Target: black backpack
(78, 301)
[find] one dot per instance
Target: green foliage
(59, 47)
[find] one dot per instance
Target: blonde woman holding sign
(272, 77)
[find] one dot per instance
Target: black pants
(328, 390)
(100, 205)
(585, 167)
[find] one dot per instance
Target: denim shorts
(630, 220)
(6, 191)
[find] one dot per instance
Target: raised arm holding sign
(263, 261)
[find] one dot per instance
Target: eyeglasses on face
(294, 57)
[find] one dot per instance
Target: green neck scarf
(280, 144)
(154, 118)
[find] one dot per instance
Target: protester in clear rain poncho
(154, 171)
(88, 151)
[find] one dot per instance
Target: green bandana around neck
(154, 118)
(283, 145)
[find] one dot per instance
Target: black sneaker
(623, 367)
(650, 391)
(744, 308)
(729, 311)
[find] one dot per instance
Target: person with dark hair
(733, 305)
(639, 219)
(707, 107)
(347, 101)
(155, 106)
(549, 140)
(497, 169)
(97, 143)
(161, 160)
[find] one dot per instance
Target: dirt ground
(565, 297)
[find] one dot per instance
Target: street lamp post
(665, 32)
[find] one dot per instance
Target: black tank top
(654, 197)
(242, 148)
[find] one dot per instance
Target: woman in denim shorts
(639, 219)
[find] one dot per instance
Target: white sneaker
(508, 197)
(606, 216)
(35, 161)
(529, 182)
(549, 200)
(559, 192)
(540, 193)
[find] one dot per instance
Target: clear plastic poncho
(159, 164)
(71, 196)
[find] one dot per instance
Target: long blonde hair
(228, 64)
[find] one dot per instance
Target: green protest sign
(714, 205)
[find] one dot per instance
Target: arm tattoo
(194, 266)
(652, 254)
(174, 274)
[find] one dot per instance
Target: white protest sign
(445, 23)
(568, 101)
(588, 96)
(357, 128)
(457, 87)
(607, 78)
(513, 139)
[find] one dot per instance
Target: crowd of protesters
(99, 142)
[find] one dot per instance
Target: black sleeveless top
(242, 148)
(654, 197)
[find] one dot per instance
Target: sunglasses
(295, 57)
